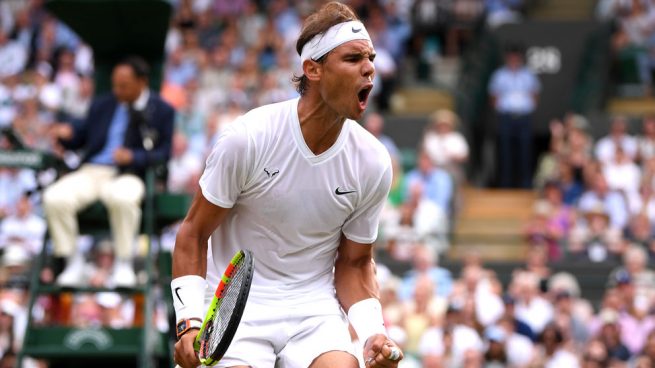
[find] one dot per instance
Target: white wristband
(189, 297)
(366, 318)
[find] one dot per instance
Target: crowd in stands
(633, 41)
(224, 57)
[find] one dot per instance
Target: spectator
(600, 195)
(594, 239)
(553, 352)
(446, 147)
(514, 89)
(116, 156)
(496, 352)
(595, 355)
(636, 324)
(423, 310)
(13, 56)
(374, 123)
(539, 230)
(437, 184)
(14, 183)
(646, 141)
(634, 40)
(184, 168)
(622, 174)
(518, 325)
(609, 334)
(606, 147)
(23, 229)
(518, 348)
(425, 263)
(500, 12)
(452, 342)
(531, 307)
(635, 270)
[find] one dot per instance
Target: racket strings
(221, 320)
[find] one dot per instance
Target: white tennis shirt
(290, 206)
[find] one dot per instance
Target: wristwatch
(187, 324)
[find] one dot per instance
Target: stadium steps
(636, 106)
(420, 100)
(563, 10)
(490, 222)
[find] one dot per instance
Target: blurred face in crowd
(514, 60)
(374, 124)
(424, 258)
(595, 355)
(619, 126)
(424, 163)
(23, 207)
(600, 184)
(649, 125)
(126, 85)
(346, 78)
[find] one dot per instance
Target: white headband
(337, 35)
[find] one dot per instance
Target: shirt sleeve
(226, 170)
(362, 225)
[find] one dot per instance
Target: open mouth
(363, 93)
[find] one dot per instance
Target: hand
(123, 156)
(61, 131)
(184, 355)
(378, 351)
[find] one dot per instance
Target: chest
(293, 192)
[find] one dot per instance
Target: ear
(312, 70)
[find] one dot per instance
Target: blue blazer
(156, 121)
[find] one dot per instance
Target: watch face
(181, 327)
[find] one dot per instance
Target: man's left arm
(355, 282)
(357, 291)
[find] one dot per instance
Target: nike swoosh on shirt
(340, 192)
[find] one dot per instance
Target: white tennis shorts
(277, 337)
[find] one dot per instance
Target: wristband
(189, 297)
(366, 318)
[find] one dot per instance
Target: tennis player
(301, 185)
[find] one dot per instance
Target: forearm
(190, 253)
(354, 279)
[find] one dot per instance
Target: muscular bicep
(203, 217)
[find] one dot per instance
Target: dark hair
(138, 65)
(319, 22)
(515, 48)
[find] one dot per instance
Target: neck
(319, 124)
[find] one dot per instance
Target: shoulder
(268, 113)
(161, 104)
(266, 123)
(364, 147)
(104, 100)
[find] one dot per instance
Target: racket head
(225, 311)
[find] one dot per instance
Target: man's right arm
(189, 269)
(189, 255)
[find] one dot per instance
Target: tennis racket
(225, 310)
